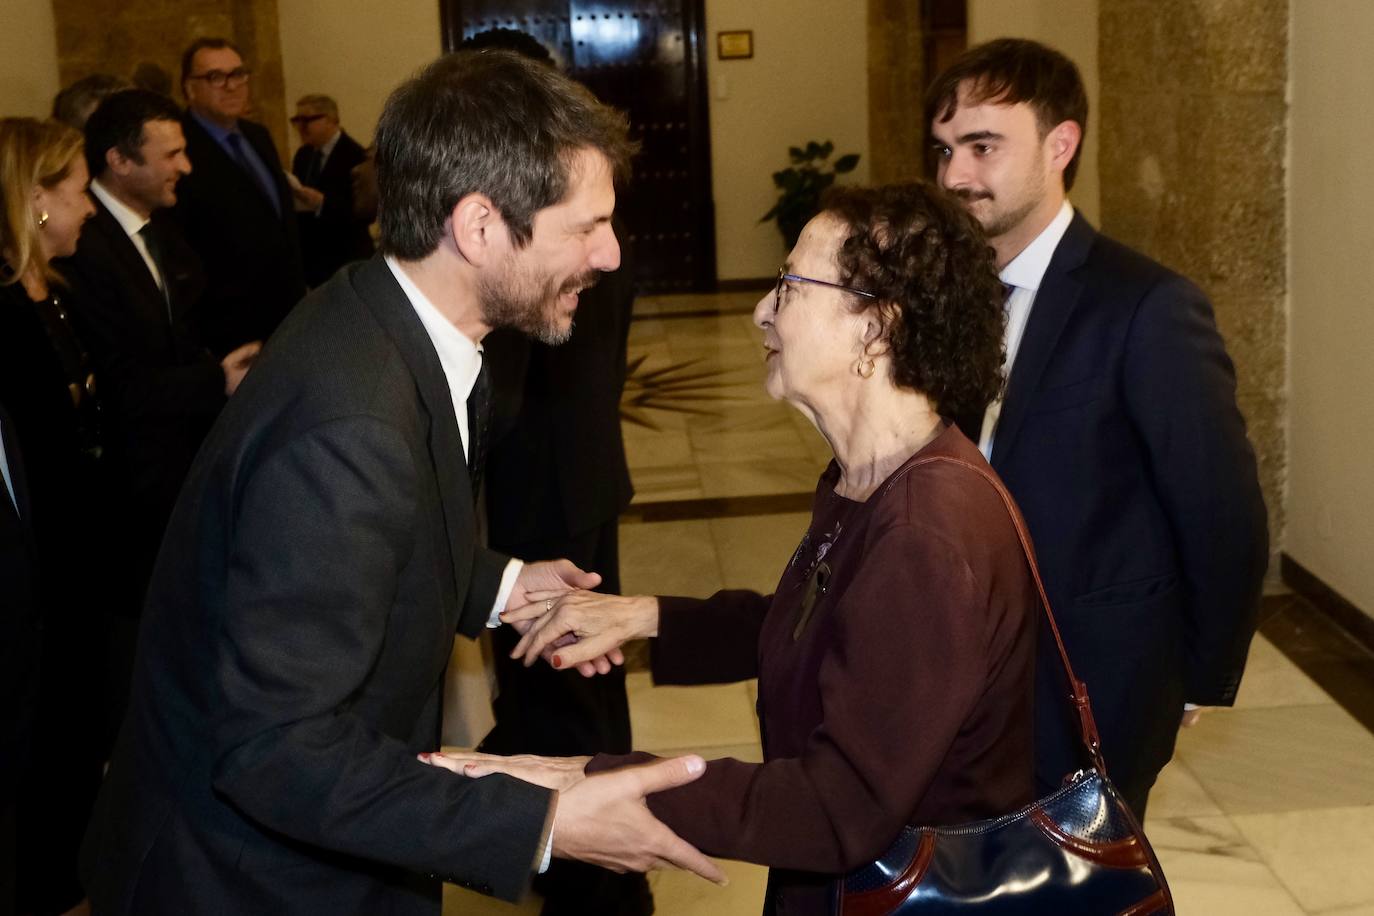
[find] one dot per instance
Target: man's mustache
(969, 195)
(581, 282)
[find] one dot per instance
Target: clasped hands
(600, 818)
(563, 622)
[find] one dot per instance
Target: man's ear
(478, 231)
(1063, 140)
(117, 162)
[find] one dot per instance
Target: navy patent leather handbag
(1077, 851)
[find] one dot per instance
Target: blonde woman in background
(52, 658)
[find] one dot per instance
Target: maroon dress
(895, 668)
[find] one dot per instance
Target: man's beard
(995, 223)
(517, 299)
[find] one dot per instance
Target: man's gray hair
(320, 103)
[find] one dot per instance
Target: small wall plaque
(735, 45)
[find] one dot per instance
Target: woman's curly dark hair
(935, 279)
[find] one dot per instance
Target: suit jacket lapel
(260, 140)
(1055, 302)
(393, 311)
(179, 268)
(209, 156)
(341, 161)
(128, 254)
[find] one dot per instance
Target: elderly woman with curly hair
(895, 657)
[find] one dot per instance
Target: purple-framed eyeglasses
(784, 276)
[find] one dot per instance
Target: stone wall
(896, 83)
(98, 37)
(1193, 134)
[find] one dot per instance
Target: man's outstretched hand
(602, 818)
(549, 578)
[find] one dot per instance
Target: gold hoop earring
(864, 367)
(42, 219)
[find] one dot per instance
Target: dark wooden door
(648, 59)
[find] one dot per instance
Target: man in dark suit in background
(545, 500)
(236, 207)
(331, 235)
(135, 283)
(323, 552)
(1118, 432)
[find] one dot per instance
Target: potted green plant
(800, 186)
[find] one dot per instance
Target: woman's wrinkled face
(67, 206)
(812, 334)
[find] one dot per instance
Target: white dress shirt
(5, 472)
(1023, 276)
(461, 360)
(131, 223)
(328, 148)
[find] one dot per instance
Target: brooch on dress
(816, 577)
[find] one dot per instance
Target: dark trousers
(559, 714)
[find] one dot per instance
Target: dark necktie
(150, 241)
(236, 143)
(313, 167)
(479, 417)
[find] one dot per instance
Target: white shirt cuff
(548, 854)
(1189, 707)
(502, 596)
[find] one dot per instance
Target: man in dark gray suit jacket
(323, 553)
(1118, 432)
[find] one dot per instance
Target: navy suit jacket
(292, 652)
(1120, 438)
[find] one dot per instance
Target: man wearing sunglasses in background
(236, 208)
(331, 235)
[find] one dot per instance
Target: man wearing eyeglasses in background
(236, 208)
(331, 235)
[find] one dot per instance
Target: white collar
(1027, 269)
(128, 220)
(459, 356)
(329, 145)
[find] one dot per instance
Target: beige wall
(356, 51)
(807, 80)
(28, 58)
(1331, 311)
(1071, 27)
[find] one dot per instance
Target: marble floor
(1267, 808)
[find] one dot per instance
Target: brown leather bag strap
(1079, 696)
